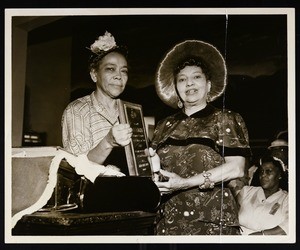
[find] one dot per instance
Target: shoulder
(284, 194)
(164, 128)
(231, 119)
(249, 190)
(227, 113)
(171, 118)
(81, 104)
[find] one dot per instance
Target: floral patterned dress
(187, 146)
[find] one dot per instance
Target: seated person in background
(278, 148)
(90, 124)
(264, 209)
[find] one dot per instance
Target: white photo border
(290, 12)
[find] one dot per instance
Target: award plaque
(137, 159)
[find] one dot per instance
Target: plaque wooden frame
(137, 160)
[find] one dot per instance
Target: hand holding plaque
(137, 159)
(119, 135)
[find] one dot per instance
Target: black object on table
(109, 206)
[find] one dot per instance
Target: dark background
(254, 46)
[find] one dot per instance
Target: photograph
(142, 125)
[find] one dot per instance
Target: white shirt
(258, 213)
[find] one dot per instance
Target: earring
(208, 99)
(180, 104)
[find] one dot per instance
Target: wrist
(207, 183)
(185, 183)
(191, 182)
(107, 142)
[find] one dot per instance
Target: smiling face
(192, 86)
(112, 75)
(269, 177)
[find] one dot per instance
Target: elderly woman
(201, 148)
(90, 124)
(264, 209)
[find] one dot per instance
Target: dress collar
(208, 110)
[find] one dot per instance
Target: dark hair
(269, 158)
(95, 58)
(193, 61)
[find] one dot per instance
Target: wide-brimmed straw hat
(165, 84)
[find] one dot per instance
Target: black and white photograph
(215, 88)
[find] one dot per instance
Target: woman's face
(112, 74)
(192, 86)
(269, 176)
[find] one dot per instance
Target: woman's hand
(271, 231)
(119, 135)
(175, 182)
(257, 233)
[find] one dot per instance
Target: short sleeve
(76, 134)
(285, 212)
(233, 137)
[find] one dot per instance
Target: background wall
(48, 83)
(19, 56)
(254, 46)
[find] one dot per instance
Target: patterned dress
(187, 146)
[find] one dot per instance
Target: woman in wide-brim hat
(201, 148)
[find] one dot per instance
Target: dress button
(186, 213)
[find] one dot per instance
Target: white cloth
(258, 213)
(82, 167)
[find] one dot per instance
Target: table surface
(71, 218)
(71, 223)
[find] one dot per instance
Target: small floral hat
(103, 46)
(165, 84)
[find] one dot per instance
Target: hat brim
(165, 86)
(278, 143)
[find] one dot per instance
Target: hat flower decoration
(103, 46)
(104, 43)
